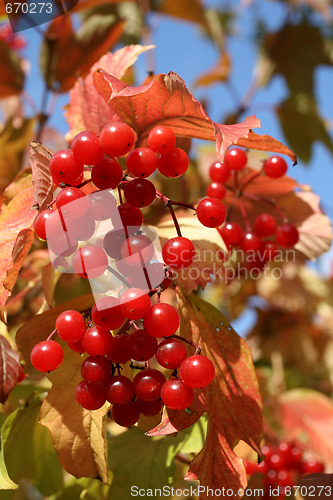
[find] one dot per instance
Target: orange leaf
(11, 72)
(41, 178)
(219, 73)
(10, 369)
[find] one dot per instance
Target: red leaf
(86, 109)
(10, 369)
(41, 178)
(232, 400)
(166, 100)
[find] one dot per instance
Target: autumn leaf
(41, 178)
(11, 74)
(10, 369)
(219, 73)
(186, 10)
(87, 110)
(165, 100)
(78, 435)
(232, 400)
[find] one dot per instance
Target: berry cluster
(283, 466)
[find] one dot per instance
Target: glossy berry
(142, 162)
(143, 346)
(275, 167)
(70, 326)
(76, 346)
(106, 313)
(120, 351)
(113, 241)
(235, 159)
(178, 252)
(161, 139)
(102, 205)
(197, 371)
(125, 415)
(149, 408)
(40, 222)
(134, 303)
(96, 369)
(90, 262)
(137, 250)
(97, 342)
(46, 356)
(90, 396)
(86, 148)
(216, 190)
(231, 233)
(161, 320)
(219, 172)
(107, 174)
(268, 251)
(120, 390)
(211, 212)
(140, 192)
(171, 353)
(176, 395)
(116, 139)
(264, 225)
(67, 200)
(64, 167)
(148, 384)
(131, 217)
(287, 235)
(173, 164)
(250, 242)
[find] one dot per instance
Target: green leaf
(5, 482)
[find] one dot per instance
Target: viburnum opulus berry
(86, 148)
(161, 320)
(211, 212)
(47, 356)
(178, 252)
(235, 159)
(116, 139)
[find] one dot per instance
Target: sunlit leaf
(10, 369)
(41, 177)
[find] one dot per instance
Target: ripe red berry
(96, 369)
(275, 167)
(235, 159)
(90, 396)
(64, 167)
(268, 251)
(90, 262)
(216, 190)
(106, 313)
(125, 415)
(311, 466)
(161, 139)
(76, 346)
(178, 252)
(134, 303)
(86, 148)
(97, 342)
(140, 192)
(148, 384)
(173, 164)
(40, 221)
(143, 346)
(287, 235)
(250, 242)
(131, 217)
(68, 200)
(211, 212)
(113, 241)
(120, 351)
(120, 390)
(265, 225)
(137, 250)
(176, 395)
(107, 174)
(171, 353)
(149, 408)
(70, 326)
(46, 356)
(116, 139)
(102, 205)
(231, 233)
(197, 371)
(219, 172)
(161, 320)
(142, 162)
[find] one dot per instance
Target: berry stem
(272, 203)
(250, 179)
(168, 201)
(51, 335)
(174, 218)
(118, 276)
(123, 329)
(186, 341)
(84, 183)
(145, 270)
(120, 195)
(244, 215)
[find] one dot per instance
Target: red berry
(173, 164)
(161, 139)
(125, 415)
(64, 167)
(116, 139)
(311, 466)
(287, 235)
(86, 148)
(235, 159)
(140, 192)
(211, 212)
(70, 326)
(96, 369)
(197, 371)
(120, 390)
(46, 356)
(103, 205)
(216, 190)
(137, 250)
(176, 395)
(106, 313)
(275, 167)
(113, 241)
(97, 342)
(265, 225)
(143, 346)
(148, 384)
(142, 162)
(149, 408)
(131, 217)
(268, 251)
(76, 346)
(219, 172)
(134, 303)
(178, 252)
(231, 233)
(161, 320)
(155, 276)
(107, 174)
(90, 262)
(120, 351)
(40, 221)
(250, 242)
(171, 353)
(90, 396)
(68, 200)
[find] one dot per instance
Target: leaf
(50, 278)
(96, 35)
(39, 327)
(41, 178)
(232, 400)
(186, 10)
(165, 100)
(322, 484)
(5, 482)
(209, 247)
(10, 369)
(12, 75)
(87, 110)
(27, 450)
(22, 245)
(302, 125)
(308, 413)
(78, 435)
(218, 73)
